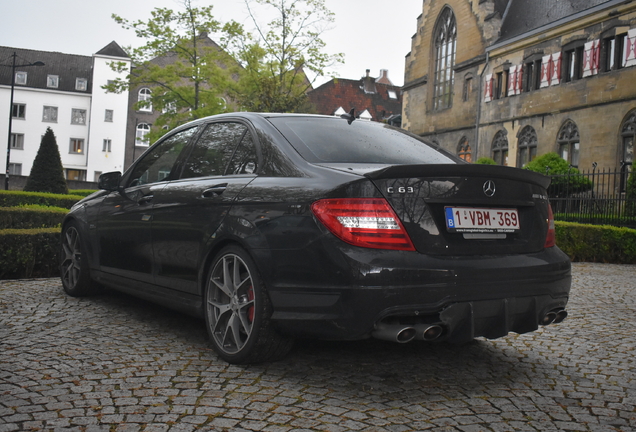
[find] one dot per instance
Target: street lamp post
(13, 66)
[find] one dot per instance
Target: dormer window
(81, 84)
(21, 78)
(339, 112)
(366, 115)
(52, 81)
(392, 94)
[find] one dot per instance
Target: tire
(238, 311)
(74, 271)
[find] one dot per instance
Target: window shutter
(587, 59)
(630, 48)
(546, 71)
(488, 88)
(512, 80)
(556, 68)
(591, 58)
(596, 58)
(519, 79)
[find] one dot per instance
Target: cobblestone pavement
(113, 362)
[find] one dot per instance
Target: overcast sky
(373, 34)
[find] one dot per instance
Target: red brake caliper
(250, 297)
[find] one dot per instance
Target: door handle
(214, 191)
(145, 199)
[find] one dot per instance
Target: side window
(245, 160)
(214, 150)
(158, 164)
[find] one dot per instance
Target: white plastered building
(66, 95)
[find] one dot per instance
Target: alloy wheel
(71, 257)
(231, 304)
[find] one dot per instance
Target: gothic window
(527, 142)
(463, 150)
(569, 143)
(500, 148)
(445, 37)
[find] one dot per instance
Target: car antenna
(350, 117)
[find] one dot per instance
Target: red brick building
(374, 99)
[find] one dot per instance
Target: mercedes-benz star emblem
(489, 188)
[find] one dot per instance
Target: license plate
(481, 220)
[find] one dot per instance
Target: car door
(125, 218)
(188, 212)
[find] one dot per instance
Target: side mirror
(109, 181)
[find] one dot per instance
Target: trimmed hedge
(596, 243)
(82, 192)
(31, 217)
(29, 253)
(17, 198)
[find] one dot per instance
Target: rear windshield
(334, 140)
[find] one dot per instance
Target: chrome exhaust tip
(428, 332)
(560, 316)
(548, 318)
(394, 333)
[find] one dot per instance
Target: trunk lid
(494, 210)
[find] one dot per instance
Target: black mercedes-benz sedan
(276, 226)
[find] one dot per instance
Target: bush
(566, 180)
(630, 195)
(82, 192)
(26, 217)
(597, 243)
(29, 253)
(486, 161)
(17, 198)
(47, 173)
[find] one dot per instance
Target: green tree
(566, 180)
(485, 161)
(47, 174)
(285, 56)
(187, 72)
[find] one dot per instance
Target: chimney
(384, 77)
(368, 83)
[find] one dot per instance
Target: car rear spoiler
(459, 170)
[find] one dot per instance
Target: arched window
(445, 38)
(144, 97)
(527, 140)
(463, 150)
(628, 136)
(500, 148)
(568, 142)
(140, 136)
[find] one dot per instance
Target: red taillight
(550, 239)
(365, 222)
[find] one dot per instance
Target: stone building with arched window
(513, 79)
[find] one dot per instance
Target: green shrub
(26, 217)
(82, 192)
(568, 180)
(29, 253)
(18, 198)
(596, 243)
(486, 161)
(630, 195)
(47, 173)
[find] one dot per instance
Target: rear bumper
(467, 296)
